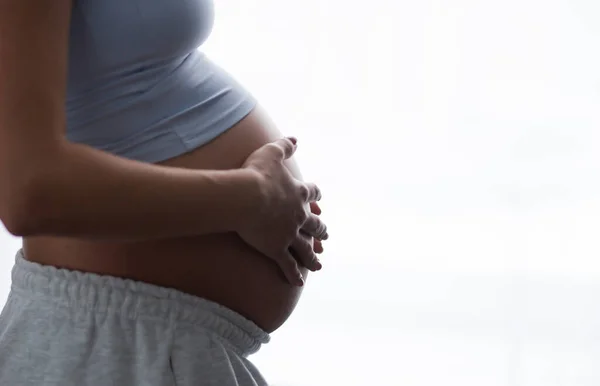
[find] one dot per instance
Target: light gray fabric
(66, 328)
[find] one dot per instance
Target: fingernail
(300, 281)
(293, 139)
(318, 265)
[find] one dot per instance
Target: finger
(287, 146)
(315, 208)
(314, 227)
(303, 250)
(317, 246)
(313, 193)
(290, 269)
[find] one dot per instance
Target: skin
(218, 267)
(178, 224)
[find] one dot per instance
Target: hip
(78, 328)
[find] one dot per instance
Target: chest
(109, 33)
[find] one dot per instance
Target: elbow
(20, 226)
(17, 227)
(28, 186)
(20, 209)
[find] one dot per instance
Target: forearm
(87, 193)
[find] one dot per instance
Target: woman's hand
(284, 220)
(317, 244)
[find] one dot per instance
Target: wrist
(247, 197)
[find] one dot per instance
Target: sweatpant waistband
(135, 299)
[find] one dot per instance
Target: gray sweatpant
(62, 327)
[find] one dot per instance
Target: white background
(457, 145)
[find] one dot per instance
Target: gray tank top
(138, 86)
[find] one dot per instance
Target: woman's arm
(86, 193)
(49, 186)
(53, 187)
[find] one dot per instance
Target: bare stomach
(219, 267)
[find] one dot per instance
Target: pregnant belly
(219, 267)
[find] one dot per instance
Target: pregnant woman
(166, 230)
